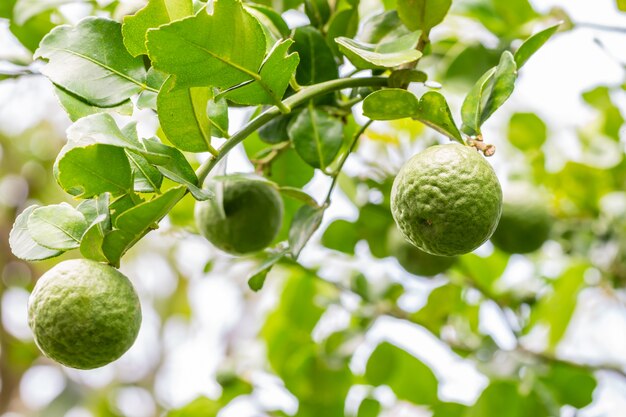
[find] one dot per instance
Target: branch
(599, 26)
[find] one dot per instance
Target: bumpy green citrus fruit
(446, 200)
(84, 314)
(249, 219)
(525, 223)
(414, 260)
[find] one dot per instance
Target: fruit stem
(301, 97)
(486, 148)
(343, 160)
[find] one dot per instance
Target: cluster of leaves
(189, 63)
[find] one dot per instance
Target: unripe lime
(249, 219)
(525, 223)
(84, 314)
(446, 200)
(414, 260)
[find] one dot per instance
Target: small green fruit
(249, 219)
(525, 223)
(414, 260)
(447, 200)
(84, 314)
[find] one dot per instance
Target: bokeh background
(205, 334)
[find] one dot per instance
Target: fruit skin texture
(253, 216)
(84, 314)
(447, 200)
(414, 260)
(525, 223)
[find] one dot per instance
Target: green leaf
(275, 131)
(94, 169)
(133, 224)
(34, 30)
(556, 309)
(507, 399)
(77, 108)
(406, 375)
(200, 407)
(423, 14)
(298, 194)
(93, 238)
(57, 227)
(442, 302)
(256, 280)
(318, 12)
(305, 222)
(435, 113)
(222, 50)
(449, 410)
(568, 384)
(90, 61)
(390, 104)
(532, 44)
(217, 112)
(183, 116)
(288, 170)
(101, 129)
(177, 168)
(369, 407)
(341, 235)
(484, 272)
(271, 21)
(382, 28)
(317, 62)
(621, 5)
(385, 55)
(502, 85)
(153, 15)
(148, 98)
(316, 136)
(471, 110)
(343, 23)
(527, 131)
(22, 244)
(146, 178)
(275, 73)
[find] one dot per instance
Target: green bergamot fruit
(525, 223)
(446, 200)
(414, 260)
(84, 314)
(249, 219)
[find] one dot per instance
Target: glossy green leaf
(471, 110)
(21, 242)
(34, 29)
(93, 238)
(146, 177)
(406, 375)
(341, 235)
(317, 62)
(502, 85)
(183, 116)
(274, 75)
(223, 49)
(442, 302)
(556, 309)
(527, 131)
(148, 98)
(153, 15)
(390, 104)
(316, 136)
(94, 169)
(384, 55)
(57, 227)
(90, 61)
(271, 21)
(373, 225)
(299, 195)
(100, 129)
(318, 12)
(342, 23)
(256, 280)
(423, 14)
(133, 224)
(275, 131)
(382, 28)
(177, 168)
(484, 271)
(532, 44)
(77, 108)
(305, 222)
(434, 112)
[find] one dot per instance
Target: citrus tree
(301, 89)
